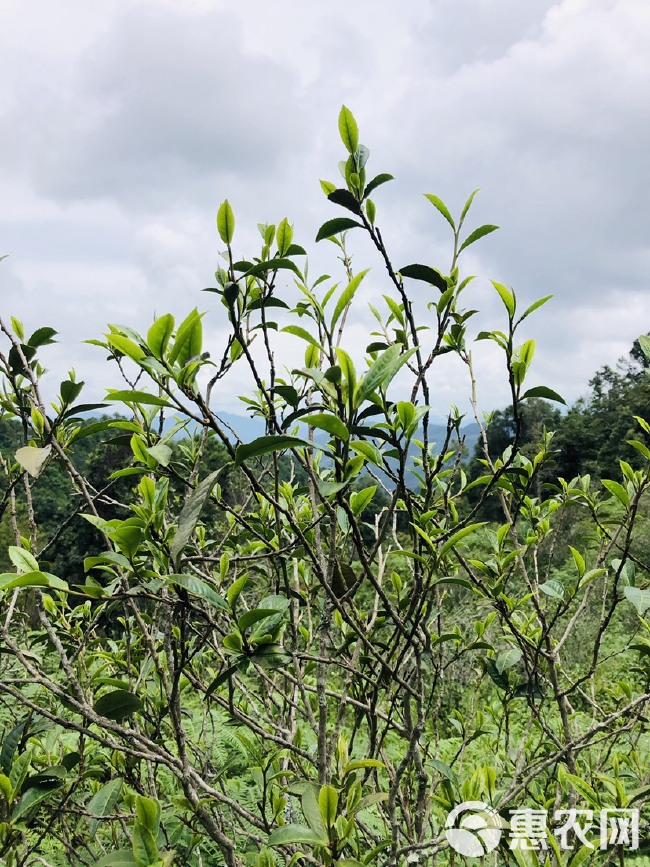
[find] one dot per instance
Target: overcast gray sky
(126, 122)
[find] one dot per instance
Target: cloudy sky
(126, 122)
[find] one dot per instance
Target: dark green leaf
(268, 444)
(221, 678)
(70, 390)
(32, 797)
(273, 265)
(376, 182)
(543, 391)
(296, 250)
(10, 744)
(249, 618)
(42, 337)
(500, 678)
(335, 226)
(426, 274)
(117, 705)
(198, 587)
(86, 407)
(345, 199)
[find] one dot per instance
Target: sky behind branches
(125, 124)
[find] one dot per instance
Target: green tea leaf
(102, 804)
(481, 232)
(226, 222)
(376, 182)
(328, 801)
(346, 296)
(336, 226)
(198, 587)
(426, 274)
(125, 346)
(369, 451)
(360, 499)
(346, 200)
(159, 335)
(553, 588)
(191, 512)
(138, 397)
(459, 535)
(382, 372)
(640, 598)
(145, 848)
(534, 306)
(189, 339)
(9, 581)
(268, 444)
(148, 812)
(32, 797)
(545, 392)
(302, 333)
(287, 835)
(22, 560)
(618, 491)
(117, 705)
(327, 422)
(507, 296)
(349, 130)
(444, 210)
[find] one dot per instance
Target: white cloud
(131, 120)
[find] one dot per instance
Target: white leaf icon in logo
(473, 829)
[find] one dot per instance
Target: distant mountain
(248, 429)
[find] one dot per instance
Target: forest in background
(589, 439)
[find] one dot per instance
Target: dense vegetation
(311, 647)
